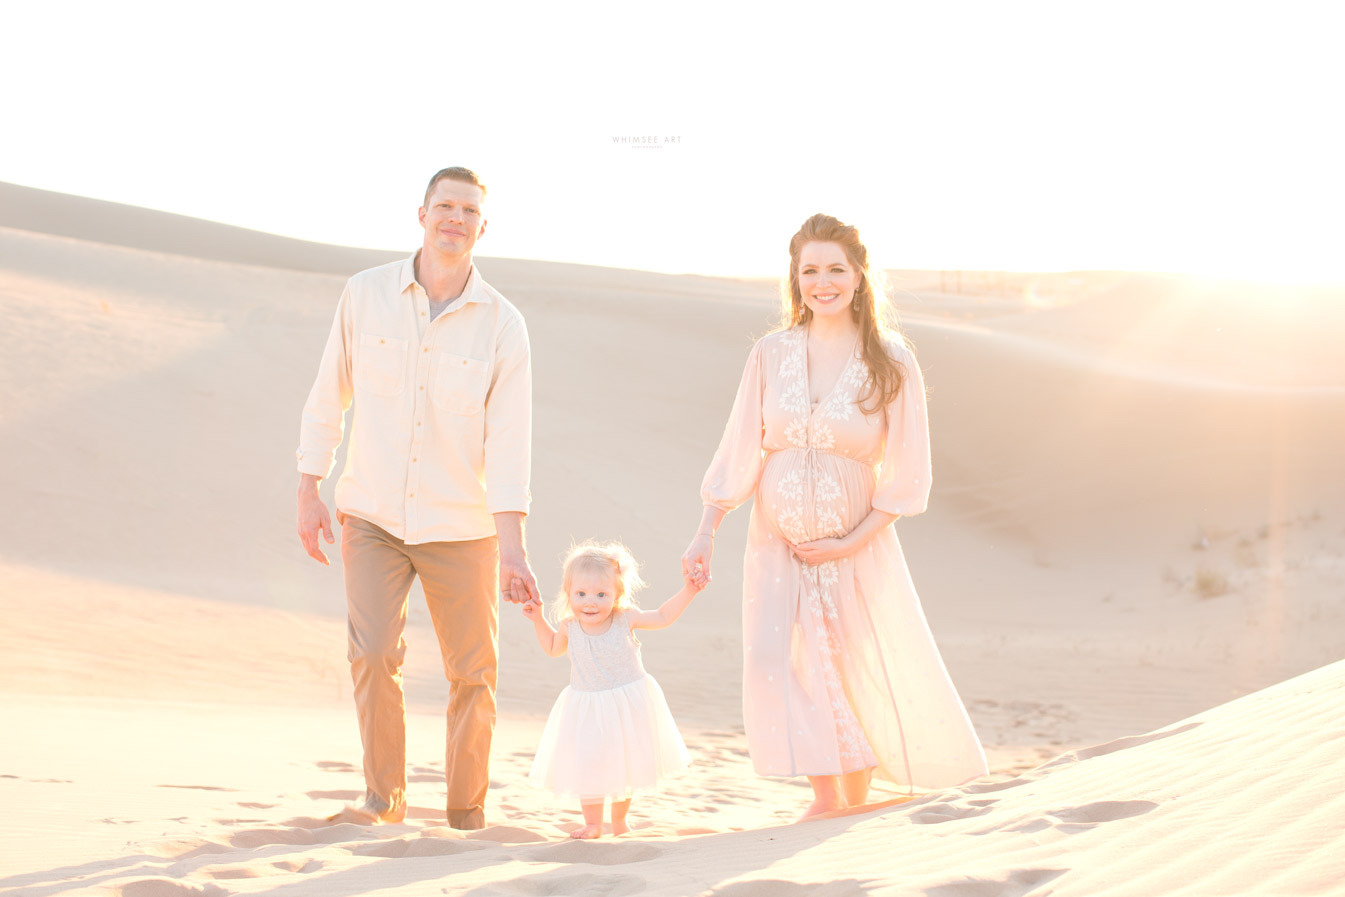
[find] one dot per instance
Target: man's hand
(313, 518)
(517, 583)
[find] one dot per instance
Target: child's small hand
(695, 578)
(531, 609)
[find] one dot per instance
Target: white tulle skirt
(607, 744)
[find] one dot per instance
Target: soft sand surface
(1139, 514)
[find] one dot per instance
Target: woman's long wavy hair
(871, 310)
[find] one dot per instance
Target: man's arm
(322, 429)
(517, 584)
(313, 517)
(508, 459)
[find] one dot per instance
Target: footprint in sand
(417, 847)
(197, 787)
(506, 834)
(334, 795)
(1013, 884)
(597, 853)
(1082, 818)
(941, 812)
(584, 885)
(989, 787)
(182, 848)
(265, 837)
(1119, 744)
(337, 765)
(256, 805)
(846, 887)
(162, 887)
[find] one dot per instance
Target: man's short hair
(456, 173)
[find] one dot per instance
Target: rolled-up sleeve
(732, 476)
(508, 447)
(323, 422)
(905, 477)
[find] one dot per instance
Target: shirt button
(412, 495)
(417, 423)
(427, 348)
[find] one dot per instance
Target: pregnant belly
(806, 495)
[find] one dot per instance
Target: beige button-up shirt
(442, 431)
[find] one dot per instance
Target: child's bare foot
(588, 832)
(619, 827)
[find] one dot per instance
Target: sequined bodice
(610, 660)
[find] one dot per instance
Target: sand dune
(1137, 516)
(1245, 798)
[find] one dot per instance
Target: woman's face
(827, 280)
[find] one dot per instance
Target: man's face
(452, 217)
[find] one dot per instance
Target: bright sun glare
(1038, 136)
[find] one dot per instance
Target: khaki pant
(461, 582)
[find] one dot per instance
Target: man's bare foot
(619, 828)
(587, 832)
(368, 815)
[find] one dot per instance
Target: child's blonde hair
(608, 558)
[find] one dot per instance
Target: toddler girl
(610, 731)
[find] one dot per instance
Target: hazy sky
(1172, 136)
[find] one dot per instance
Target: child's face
(592, 597)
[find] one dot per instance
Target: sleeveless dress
(841, 672)
(610, 731)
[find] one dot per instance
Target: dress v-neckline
(807, 379)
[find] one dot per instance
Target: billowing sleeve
(905, 476)
(324, 418)
(509, 423)
(732, 476)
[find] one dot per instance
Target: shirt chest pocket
(461, 383)
(381, 370)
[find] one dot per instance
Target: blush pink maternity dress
(840, 670)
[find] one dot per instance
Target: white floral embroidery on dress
(792, 525)
(853, 746)
(794, 396)
(829, 524)
(840, 404)
(823, 437)
(797, 433)
(827, 487)
(790, 486)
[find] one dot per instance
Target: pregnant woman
(842, 680)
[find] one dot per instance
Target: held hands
(517, 583)
(532, 610)
(820, 551)
(696, 561)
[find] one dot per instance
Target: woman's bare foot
(588, 832)
(826, 796)
(619, 828)
(820, 806)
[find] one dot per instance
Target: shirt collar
(472, 292)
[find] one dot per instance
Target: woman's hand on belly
(819, 551)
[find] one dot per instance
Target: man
(435, 485)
